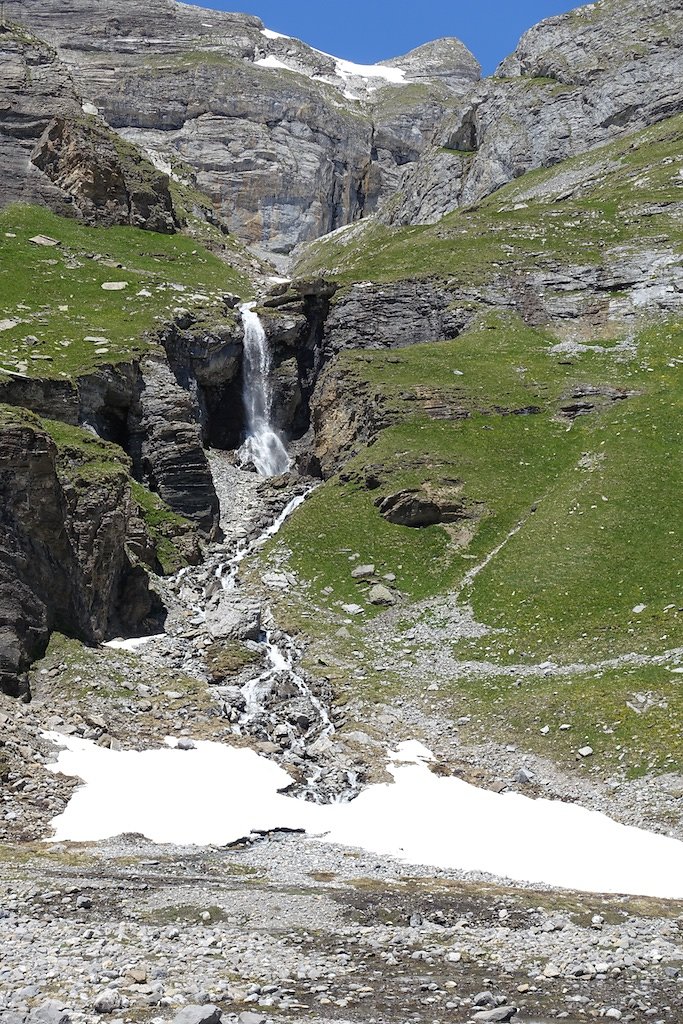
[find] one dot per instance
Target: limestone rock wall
(288, 143)
(573, 83)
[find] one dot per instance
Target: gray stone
(233, 621)
(107, 1001)
(208, 1014)
(381, 595)
(50, 1012)
(363, 571)
(499, 1015)
(410, 508)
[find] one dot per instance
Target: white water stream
(263, 446)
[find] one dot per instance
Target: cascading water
(263, 446)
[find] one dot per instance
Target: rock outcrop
(63, 559)
(141, 407)
(36, 86)
(53, 153)
(574, 82)
(107, 179)
(166, 446)
(392, 316)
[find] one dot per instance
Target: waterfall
(263, 447)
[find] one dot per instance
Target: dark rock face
(288, 143)
(109, 182)
(166, 446)
(410, 508)
(63, 560)
(392, 316)
(144, 409)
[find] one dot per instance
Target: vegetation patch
(71, 323)
(227, 658)
(164, 526)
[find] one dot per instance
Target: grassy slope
(56, 293)
(606, 535)
(473, 245)
(605, 538)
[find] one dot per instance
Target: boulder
(208, 1014)
(229, 620)
(363, 572)
(499, 1015)
(52, 1011)
(410, 508)
(108, 1001)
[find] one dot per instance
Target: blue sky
(370, 30)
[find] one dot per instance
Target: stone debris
(44, 240)
(381, 595)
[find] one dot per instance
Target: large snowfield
(215, 795)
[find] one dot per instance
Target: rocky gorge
(441, 315)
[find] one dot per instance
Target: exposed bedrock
(36, 86)
(52, 153)
(166, 447)
(573, 83)
(287, 147)
(392, 315)
(64, 564)
(107, 179)
(142, 408)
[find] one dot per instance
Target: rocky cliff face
(289, 143)
(36, 86)
(54, 153)
(574, 82)
(142, 408)
(63, 558)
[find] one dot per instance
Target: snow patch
(133, 643)
(215, 795)
(347, 69)
(269, 34)
(272, 62)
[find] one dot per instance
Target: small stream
(278, 704)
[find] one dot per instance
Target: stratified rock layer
(574, 82)
(63, 559)
(290, 143)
